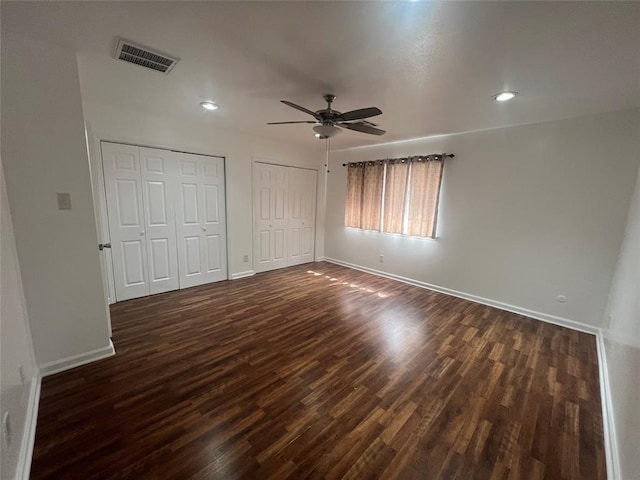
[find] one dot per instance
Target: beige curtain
(394, 196)
(411, 191)
(353, 211)
(372, 196)
(424, 189)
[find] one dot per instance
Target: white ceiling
(431, 67)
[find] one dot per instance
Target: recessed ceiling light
(504, 96)
(209, 106)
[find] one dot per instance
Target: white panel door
(158, 172)
(201, 219)
(270, 183)
(302, 216)
(125, 209)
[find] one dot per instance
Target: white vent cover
(145, 57)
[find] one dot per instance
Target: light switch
(64, 201)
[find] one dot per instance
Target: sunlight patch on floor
(352, 286)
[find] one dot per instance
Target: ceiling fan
(329, 121)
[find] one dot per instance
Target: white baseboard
(608, 421)
(29, 434)
(248, 273)
(58, 366)
(320, 259)
(563, 322)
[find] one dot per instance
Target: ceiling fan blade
(361, 127)
(360, 113)
(302, 109)
(282, 123)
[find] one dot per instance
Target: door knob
(141, 232)
(204, 229)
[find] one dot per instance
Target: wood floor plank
(319, 371)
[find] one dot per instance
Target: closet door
(158, 175)
(201, 219)
(302, 216)
(270, 212)
(121, 164)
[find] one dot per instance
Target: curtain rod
(444, 155)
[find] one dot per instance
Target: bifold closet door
(270, 183)
(141, 219)
(201, 219)
(302, 216)
(158, 174)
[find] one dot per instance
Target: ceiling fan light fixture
(327, 130)
(329, 122)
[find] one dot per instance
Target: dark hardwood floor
(319, 371)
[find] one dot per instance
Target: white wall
(527, 213)
(15, 345)
(44, 152)
(622, 343)
(128, 126)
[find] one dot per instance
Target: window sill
(398, 235)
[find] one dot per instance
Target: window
(395, 196)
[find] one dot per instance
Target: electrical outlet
(381, 258)
(23, 378)
(6, 429)
(245, 258)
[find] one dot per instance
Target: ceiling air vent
(145, 57)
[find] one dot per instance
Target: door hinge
(102, 246)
